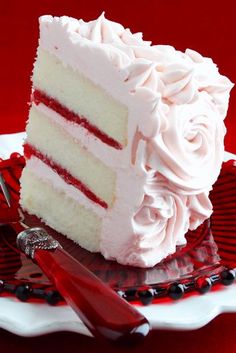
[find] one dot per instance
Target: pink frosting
(190, 151)
(177, 102)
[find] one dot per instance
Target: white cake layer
(80, 95)
(51, 140)
(112, 157)
(48, 175)
(81, 225)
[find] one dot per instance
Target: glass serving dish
(208, 259)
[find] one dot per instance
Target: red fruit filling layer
(41, 97)
(29, 151)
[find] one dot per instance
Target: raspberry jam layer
(30, 151)
(41, 97)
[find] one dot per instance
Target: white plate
(28, 319)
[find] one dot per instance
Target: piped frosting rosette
(162, 220)
(183, 161)
(189, 152)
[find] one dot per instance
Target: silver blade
(5, 190)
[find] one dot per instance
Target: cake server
(105, 314)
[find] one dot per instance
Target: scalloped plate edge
(187, 314)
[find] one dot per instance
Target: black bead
(23, 292)
(1, 286)
(227, 277)
(130, 294)
(176, 291)
(52, 297)
(146, 296)
(203, 284)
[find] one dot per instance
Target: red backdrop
(206, 26)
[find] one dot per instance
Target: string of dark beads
(176, 290)
(25, 291)
(145, 295)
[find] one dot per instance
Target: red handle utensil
(104, 313)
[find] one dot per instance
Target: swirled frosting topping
(179, 76)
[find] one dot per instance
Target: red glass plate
(209, 256)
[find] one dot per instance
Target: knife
(105, 313)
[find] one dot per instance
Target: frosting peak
(109, 32)
(178, 76)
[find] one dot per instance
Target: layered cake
(124, 139)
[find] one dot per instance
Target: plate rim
(51, 319)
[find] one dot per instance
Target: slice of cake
(124, 139)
